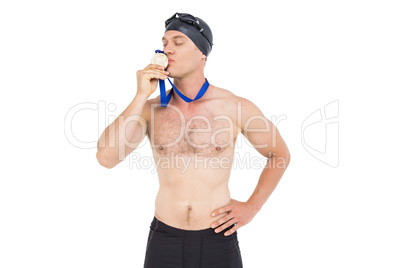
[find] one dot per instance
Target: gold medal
(160, 59)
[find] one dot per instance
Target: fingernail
(213, 214)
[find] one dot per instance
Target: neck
(189, 86)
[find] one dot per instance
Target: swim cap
(195, 28)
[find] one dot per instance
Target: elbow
(104, 161)
(287, 158)
(283, 158)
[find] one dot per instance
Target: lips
(170, 60)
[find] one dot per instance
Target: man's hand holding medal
(147, 79)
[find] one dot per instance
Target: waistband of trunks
(159, 226)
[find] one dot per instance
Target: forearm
(269, 179)
(125, 131)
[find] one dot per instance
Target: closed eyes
(177, 44)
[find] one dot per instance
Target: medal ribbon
(165, 99)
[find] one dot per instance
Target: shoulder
(241, 109)
(233, 102)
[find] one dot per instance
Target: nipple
(161, 147)
(218, 148)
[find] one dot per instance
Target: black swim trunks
(170, 247)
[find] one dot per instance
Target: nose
(168, 49)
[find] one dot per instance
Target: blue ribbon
(166, 98)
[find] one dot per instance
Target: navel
(189, 207)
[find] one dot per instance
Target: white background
(60, 208)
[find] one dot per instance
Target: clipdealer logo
(320, 134)
(319, 131)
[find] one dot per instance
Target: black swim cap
(195, 28)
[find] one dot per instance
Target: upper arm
(261, 132)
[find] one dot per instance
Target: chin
(173, 74)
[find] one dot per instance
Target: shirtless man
(196, 220)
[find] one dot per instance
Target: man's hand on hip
(240, 213)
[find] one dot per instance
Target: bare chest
(204, 132)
